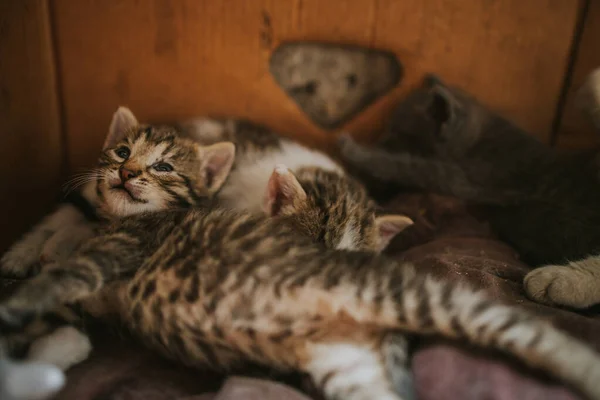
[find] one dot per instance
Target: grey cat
(542, 202)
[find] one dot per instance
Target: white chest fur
(245, 187)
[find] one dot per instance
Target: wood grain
(30, 137)
(173, 59)
(576, 131)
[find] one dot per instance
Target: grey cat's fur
(542, 202)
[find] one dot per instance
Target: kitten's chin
(120, 204)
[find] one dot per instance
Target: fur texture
(220, 289)
(211, 287)
(319, 201)
(544, 203)
(335, 208)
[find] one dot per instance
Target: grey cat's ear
(388, 226)
(216, 163)
(284, 193)
(431, 80)
(443, 105)
(122, 121)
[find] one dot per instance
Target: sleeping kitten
(544, 203)
(211, 287)
(317, 185)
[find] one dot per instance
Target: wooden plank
(169, 59)
(576, 131)
(30, 138)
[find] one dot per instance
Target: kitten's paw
(562, 285)
(64, 347)
(345, 139)
(348, 147)
(20, 262)
(13, 319)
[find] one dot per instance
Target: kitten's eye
(162, 167)
(123, 152)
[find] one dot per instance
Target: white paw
(562, 285)
(29, 380)
(63, 348)
(20, 261)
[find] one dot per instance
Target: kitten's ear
(216, 163)
(284, 192)
(388, 226)
(444, 105)
(122, 121)
(432, 80)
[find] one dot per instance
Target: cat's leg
(576, 284)
(370, 160)
(65, 242)
(395, 354)
(63, 348)
(349, 371)
(22, 259)
(101, 260)
(435, 175)
(51, 338)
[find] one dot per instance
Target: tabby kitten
(210, 287)
(544, 203)
(336, 207)
(142, 168)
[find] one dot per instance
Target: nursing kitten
(337, 206)
(211, 287)
(542, 202)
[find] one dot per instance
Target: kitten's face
(331, 209)
(145, 168)
(434, 120)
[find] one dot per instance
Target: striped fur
(330, 206)
(222, 289)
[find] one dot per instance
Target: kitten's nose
(127, 174)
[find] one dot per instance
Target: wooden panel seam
(570, 69)
(58, 82)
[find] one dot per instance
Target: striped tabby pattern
(221, 289)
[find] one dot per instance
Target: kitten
(344, 215)
(211, 287)
(543, 203)
(150, 169)
(324, 205)
(317, 186)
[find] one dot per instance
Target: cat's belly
(204, 332)
(246, 186)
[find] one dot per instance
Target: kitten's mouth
(122, 187)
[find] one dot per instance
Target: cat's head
(148, 168)
(436, 120)
(331, 209)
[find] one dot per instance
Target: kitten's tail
(427, 305)
(391, 296)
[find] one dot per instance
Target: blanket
(447, 240)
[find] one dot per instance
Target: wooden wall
(65, 65)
